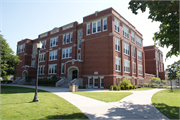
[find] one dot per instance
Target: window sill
(41, 61)
(126, 72)
(96, 32)
(105, 30)
(118, 71)
(53, 46)
(126, 54)
(51, 73)
(117, 31)
(118, 51)
(52, 60)
(67, 58)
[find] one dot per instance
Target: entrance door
(74, 74)
(24, 75)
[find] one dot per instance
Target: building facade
(102, 50)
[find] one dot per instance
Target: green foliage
(127, 87)
(131, 87)
(54, 77)
(122, 87)
(111, 87)
(155, 80)
(8, 59)
(163, 81)
(6, 81)
(46, 82)
(146, 84)
(168, 14)
(6, 77)
(82, 87)
(115, 87)
(134, 86)
(126, 82)
(118, 88)
(174, 70)
(28, 79)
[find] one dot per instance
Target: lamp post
(170, 76)
(39, 46)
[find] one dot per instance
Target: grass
(140, 89)
(167, 102)
(16, 103)
(105, 96)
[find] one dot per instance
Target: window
(54, 42)
(156, 53)
(79, 44)
(71, 39)
(88, 29)
(126, 49)
(64, 39)
(117, 45)
(62, 68)
(67, 38)
(79, 33)
(96, 27)
(117, 81)
(66, 53)
(138, 41)
(52, 69)
(33, 63)
(132, 36)
(79, 56)
(140, 69)
(134, 68)
(116, 24)
(134, 52)
(139, 55)
(95, 83)
(125, 32)
(41, 70)
(102, 82)
(43, 45)
(53, 55)
(126, 66)
(89, 82)
(104, 24)
(118, 64)
(21, 48)
(42, 57)
(156, 63)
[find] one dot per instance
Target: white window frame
(117, 45)
(138, 41)
(126, 47)
(80, 33)
(134, 52)
(42, 57)
(79, 44)
(140, 69)
(89, 85)
(21, 48)
(125, 31)
(43, 44)
(104, 24)
(67, 38)
(41, 69)
(118, 64)
(64, 39)
(139, 55)
(117, 25)
(134, 68)
(71, 37)
(54, 54)
(33, 63)
(62, 65)
(52, 66)
(132, 37)
(69, 55)
(127, 67)
(88, 29)
(96, 22)
(94, 82)
(101, 78)
(79, 55)
(54, 42)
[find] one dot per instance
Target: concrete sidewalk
(135, 106)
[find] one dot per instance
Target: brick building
(102, 50)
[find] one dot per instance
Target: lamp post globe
(39, 46)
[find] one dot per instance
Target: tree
(7, 58)
(174, 71)
(166, 12)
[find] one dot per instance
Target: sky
(20, 19)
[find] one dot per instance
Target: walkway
(135, 106)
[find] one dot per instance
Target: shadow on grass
(14, 90)
(71, 116)
(17, 103)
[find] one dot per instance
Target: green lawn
(140, 89)
(16, 103)
(105, 96)
(167, 102)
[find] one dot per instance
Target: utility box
(72, 88)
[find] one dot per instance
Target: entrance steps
(65, 82)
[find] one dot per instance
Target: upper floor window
(116, 24)
(71, 39)
(64, 39)
(125, 32)
(134, 68)
(138, 41)
(53, 55)
(127, 66)
(54, 42)
(134, 52)
(126, 49)
(79, 56)
(139, 55)
(79, 44)
(140, 69)
(132, 36)
(52, 69)
(104, 24)
(117, 44)
(41, 70)
(62, 68)
(96, 27)
(42, 57)
(21, 48)
(67, 38)
(118, 64)
(43, 44)
(67, 53)
(88, 29)
(33, 63)
(79, 33)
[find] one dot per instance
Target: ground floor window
(102, 82)
(95, 82)
(117, 81)
(52, 69)
(89, 82)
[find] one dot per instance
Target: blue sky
(20, 19)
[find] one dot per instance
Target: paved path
(135, 106)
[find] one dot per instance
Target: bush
(115, 87)
(119, 88)
(47, 82)
(163, 81)
(133, 86)
(6, 81)
(126, 82)
(146, 84)
(127, 87)
(130, 87)
(120, 83)
(54, 77)
(83, 87)
(155, 80)
(111, 87)
(28, 79)
(80, 87)
(122, 87)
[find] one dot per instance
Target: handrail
(60, 82)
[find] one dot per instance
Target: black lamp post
(39, 46)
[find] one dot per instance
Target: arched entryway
(73, 72)
(24, 74)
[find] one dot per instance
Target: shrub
(126, 82)
(122, 87)
(120, 83)
(111, 87)
(47, 82)
(146, 84)
(54, 77)
(155, 80)
(28, 79)
(80, 87)
(127, 87)
(83, 87)
(115, 87)
(163, 81)
(133, 86)
(118, 88)
(6, 81)
(130, 87)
